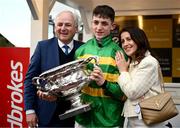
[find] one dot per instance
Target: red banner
(13, 66)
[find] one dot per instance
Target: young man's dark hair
(104, 11)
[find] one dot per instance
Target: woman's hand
(121, 62)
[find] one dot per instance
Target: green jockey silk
(106, 103)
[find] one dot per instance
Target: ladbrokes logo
(15, 117)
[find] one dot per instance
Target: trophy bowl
(66, 81)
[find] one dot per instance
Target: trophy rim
(59, 67)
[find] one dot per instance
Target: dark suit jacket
(46, 56)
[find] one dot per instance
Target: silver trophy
(66, 81)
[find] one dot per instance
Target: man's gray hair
(75, 16)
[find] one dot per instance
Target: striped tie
(66, 49)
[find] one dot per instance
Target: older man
(48, 54)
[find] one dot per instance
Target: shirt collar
(61, 44)
(104, 41)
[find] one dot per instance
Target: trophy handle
(95, 58)
(37, 82)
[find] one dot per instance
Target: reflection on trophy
(66, 81)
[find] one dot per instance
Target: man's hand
(46, 96)
(32, 120)
(97, 75)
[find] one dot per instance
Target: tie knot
(66, 49)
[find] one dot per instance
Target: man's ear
(113, 26)
(77, 29)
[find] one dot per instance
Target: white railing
(174, 88)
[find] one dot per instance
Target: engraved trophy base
(75, 111)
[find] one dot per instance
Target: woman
(139, 78)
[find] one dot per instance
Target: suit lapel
(54, 53)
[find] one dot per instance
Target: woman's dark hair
(141, 40)
(104, 11)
